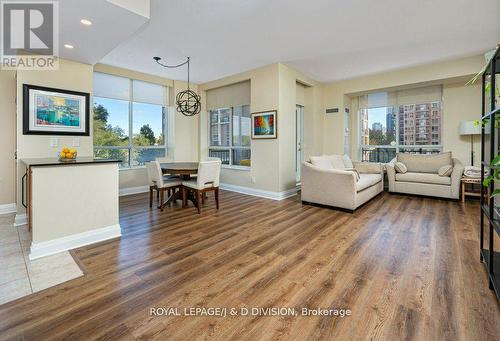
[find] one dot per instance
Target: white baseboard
(259, 192)
(76, 240)
(21, 219)
(133, 190)
(8, 208)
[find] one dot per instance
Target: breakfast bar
(70, 204)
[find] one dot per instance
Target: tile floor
(20, 276)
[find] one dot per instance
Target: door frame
(299, 140)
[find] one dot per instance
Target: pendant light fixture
(187, 101)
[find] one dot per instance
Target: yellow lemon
(72, 150)
(63, 154)
(65, 150)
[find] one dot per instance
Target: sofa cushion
(321, 162)
(445, 170)
(337, 161)
(400, 167)
(347, 161)
(424, 163)
(367, 180)
(426, 178)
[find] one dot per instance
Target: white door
(299, 140)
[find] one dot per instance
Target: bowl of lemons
(67, 154)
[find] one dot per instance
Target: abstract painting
(55, 111)
(264, 125)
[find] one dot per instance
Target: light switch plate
(54, 142)
(76, 142)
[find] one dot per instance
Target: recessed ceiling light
(68, 46)
(86, 22)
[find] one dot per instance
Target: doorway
(299, 140)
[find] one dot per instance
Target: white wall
(71, 76)
(273, 87)
(461, 103)
(264, 95)
(7, 137)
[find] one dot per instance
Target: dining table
(184, 170)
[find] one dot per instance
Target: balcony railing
(221, 154)
(386, 154)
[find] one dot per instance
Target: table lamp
(470, 128)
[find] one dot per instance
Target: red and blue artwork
(264, 125)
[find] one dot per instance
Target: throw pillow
(347, 161)
(355, 171)
(321, 162)
(337, 161)
(400, 167)
(445, 170)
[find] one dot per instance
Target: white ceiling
(325, 39)
(111, 26)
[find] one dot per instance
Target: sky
(377, 115)
(142, 114)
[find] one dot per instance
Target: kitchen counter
(70, 204)
(53, 161)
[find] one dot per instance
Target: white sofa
(421, 176)
(332, 180)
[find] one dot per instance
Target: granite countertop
(53, 161)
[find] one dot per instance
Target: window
(388, 127)
(129, 119)
(230, 135)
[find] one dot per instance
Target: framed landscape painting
(264, 125)
(48, 111)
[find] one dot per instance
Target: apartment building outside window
(390, 123)
(230, 135)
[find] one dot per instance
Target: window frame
(231, 146)
(398, 146)
(131, 147)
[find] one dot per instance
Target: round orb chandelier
(187, 101)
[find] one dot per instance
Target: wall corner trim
(259, 192)
(73, 241)
(8, 208)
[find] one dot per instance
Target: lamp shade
(469, 128)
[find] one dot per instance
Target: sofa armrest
(328, 186)
(368, 167)
(391, 174)
(456, 176)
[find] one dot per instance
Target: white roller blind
(377, 100)
(229, 96)
(395, 98)
(148, 93)
(420, 95)
(111, 86)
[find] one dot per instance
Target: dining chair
(207, 180)
(160, 183)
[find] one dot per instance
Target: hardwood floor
(407, 267)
